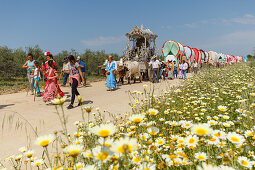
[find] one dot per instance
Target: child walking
(37, 77)
(74, 72)
(50, 91)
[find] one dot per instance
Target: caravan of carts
(173, 50)
(141, 47)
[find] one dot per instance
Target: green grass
(15, 84)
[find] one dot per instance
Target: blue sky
(226, 26)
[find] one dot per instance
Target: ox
(132, 69)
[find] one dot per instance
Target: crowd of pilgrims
(171, 69)
(74, 71)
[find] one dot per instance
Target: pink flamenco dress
(51, 89)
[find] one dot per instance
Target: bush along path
(206, 123)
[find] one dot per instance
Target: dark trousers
(175, 73)
(74, 90)
(155, 75)
(164, 74)
(66, 75)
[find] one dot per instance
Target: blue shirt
(82, 68)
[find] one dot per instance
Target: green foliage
(11, 60)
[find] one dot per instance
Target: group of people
(170, 69)
(73, 69)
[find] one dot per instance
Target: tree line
(11, 60)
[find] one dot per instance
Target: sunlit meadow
(206, 123)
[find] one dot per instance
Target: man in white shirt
(155, 67)
(184, 68)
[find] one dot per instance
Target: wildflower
(136, 118)
(44, 141)
(222, 108)
(136, 160)
(29, 153)
(145, 85)
(219, 134)
(87, 154)
(101, 153)
(124, 145)
(201, 129)
(90, 167)
(23, 149)
(79, 165)
(17, 158)
(186, 124)
(153, 130)
(59, 101)
(235, 138)
(244, 161)
(88, 108)
(144, 136)
(191, 140)
(201, 156)
(248, 133)
(153, 111)
(106, 142)
(160, 141)
(80, 99)
(38, 162)
(73, 150)
(104, 130)
(212, 122)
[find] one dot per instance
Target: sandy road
(44, 117)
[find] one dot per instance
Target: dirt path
(45, 119)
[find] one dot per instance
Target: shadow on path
(6, 105)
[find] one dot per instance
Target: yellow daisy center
(37, 163)
(201, 131)
(235, 139)
(217, 135)
(243, 162)
(153, 112)
(153, 132)
(104, 133)
(137, 120)
(74, 152)
(78, 166)
(45, 143)
(102, 156)
(222, 109)
(212, 139)
(160, 142)
(124, 148)
(137, 160)
(191, 140)
(201, 157)
(90, 155)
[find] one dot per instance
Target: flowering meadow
(207, 123)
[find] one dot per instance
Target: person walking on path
(30, 65)
(195, 67)
(185, 68)
(65, 70)
(37, 77)
(163, 69)
(82, 66)
(155, 66)
(46, 68)
(111, 68)
(175, 65)
(74, 72)
(51, 85)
